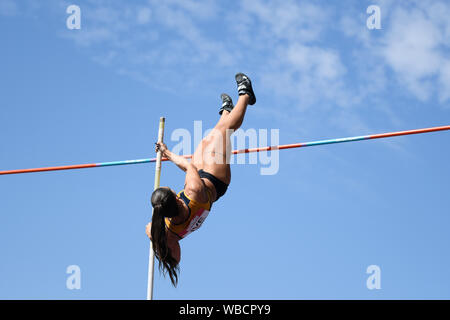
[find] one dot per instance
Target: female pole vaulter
(207, 178)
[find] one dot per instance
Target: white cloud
(205, 9)
(415, 48)
(284, 38)
(291, 48)
(310, 73)
(278, 20)
(412, 48)
(353, 26)
(444, 82)
(279, 35)
(92, 36)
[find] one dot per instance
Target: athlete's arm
(172, 242)
(175, 250)
(193, 183)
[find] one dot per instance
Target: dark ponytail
(164, 205)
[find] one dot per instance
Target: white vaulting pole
(151, 260)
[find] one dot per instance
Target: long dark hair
(164, 205)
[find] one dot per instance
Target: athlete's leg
(214, 151)
(233, 120)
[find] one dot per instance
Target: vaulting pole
(151, 260)
(261, 149)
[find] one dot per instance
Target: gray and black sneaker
(245, 87)
(227, 103)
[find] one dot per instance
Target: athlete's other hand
(148, 230)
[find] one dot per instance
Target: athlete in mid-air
(207, 178)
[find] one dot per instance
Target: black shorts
(221, 187)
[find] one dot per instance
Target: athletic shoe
(245, 87)
(227, 103)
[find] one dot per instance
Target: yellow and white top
(198, 212)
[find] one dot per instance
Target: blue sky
(307, 232)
